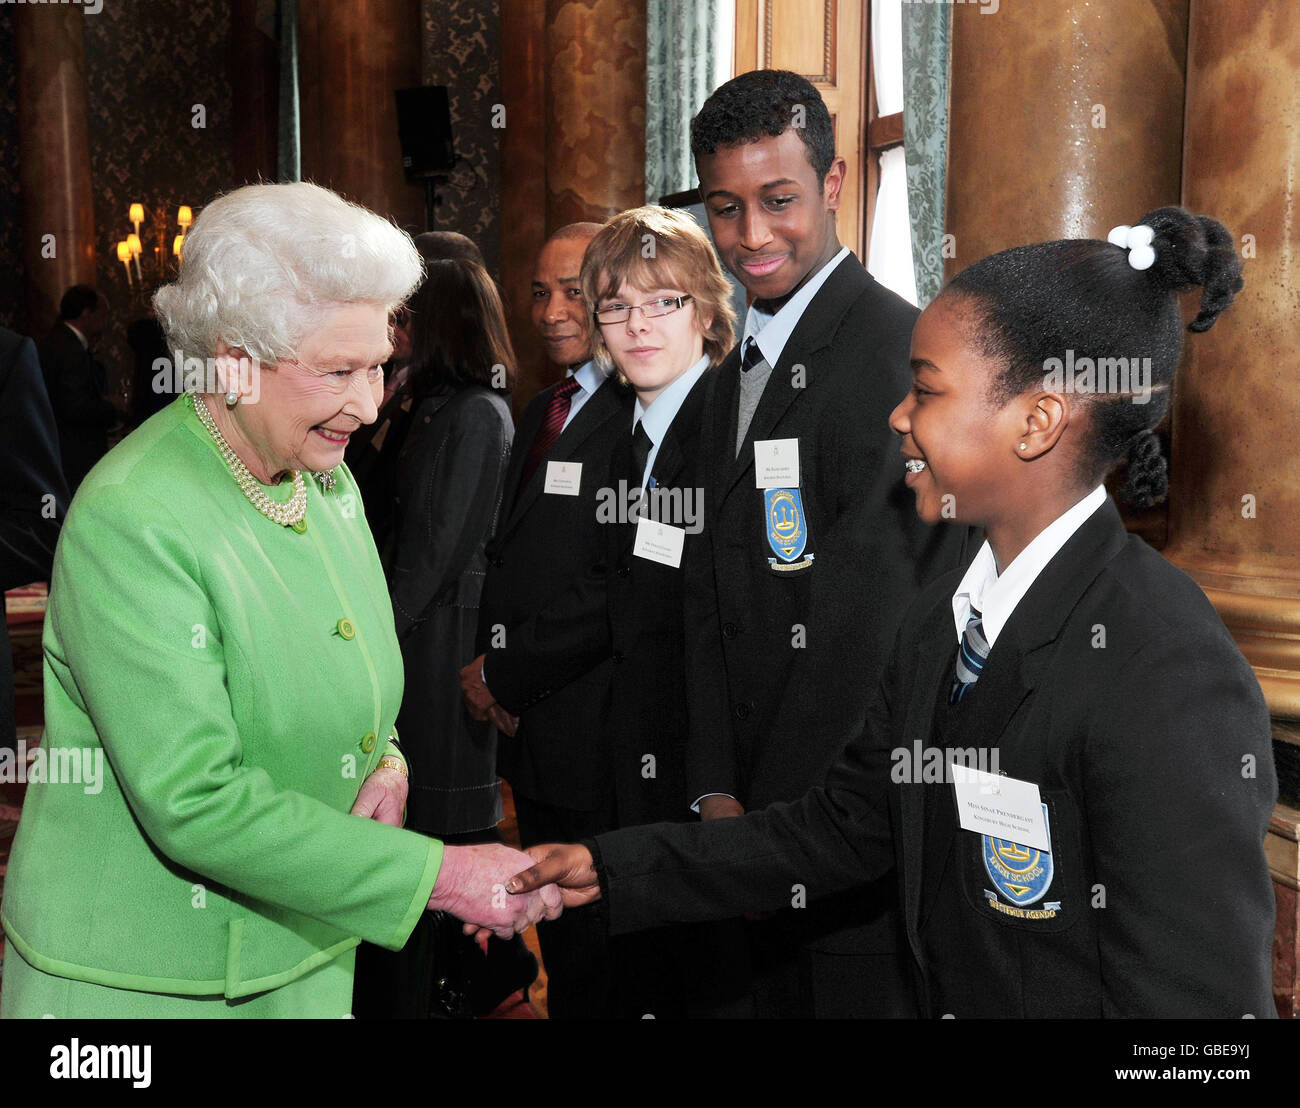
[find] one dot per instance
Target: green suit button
(368, 743)
(345, 629)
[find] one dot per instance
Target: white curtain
(890, 257)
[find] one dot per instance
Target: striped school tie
(971, 657)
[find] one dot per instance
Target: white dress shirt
(995, 595)
(663, 410)
(773, 331)
(590, 377)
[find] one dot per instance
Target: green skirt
(29, 993)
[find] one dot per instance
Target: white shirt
(85, 345)
(995, 595)
(660, 415)
(772, 332)
(590, 377)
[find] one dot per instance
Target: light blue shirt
(590, 377)
(663, 410)
(772, 332)
(995, 595)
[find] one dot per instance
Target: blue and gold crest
(1022, 874)
(787, 533)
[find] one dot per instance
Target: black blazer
(777, 660)
(33, 496)
(76, 383)
(628, 609)
(447, 481)
(543, 543)
(1153, 756)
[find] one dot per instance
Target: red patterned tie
(557, 411)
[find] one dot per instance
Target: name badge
(659, 542)
(563, 478)
(776, 464)
(1002, 807)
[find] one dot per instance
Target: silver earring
(232, 398)
(1023, 446)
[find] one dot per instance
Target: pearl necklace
(288, 514)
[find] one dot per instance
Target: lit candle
(124, 256)
(133, 244)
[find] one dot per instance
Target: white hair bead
(1137, 241)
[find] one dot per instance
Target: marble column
(1234, 515)
(523, 182)
(1065, 119)
(53, 157)
(353, 55)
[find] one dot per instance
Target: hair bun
(1195, 251)
(1148, 474)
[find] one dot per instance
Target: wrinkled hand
(383, 797)
(471, 886)
(720, 807)
(503, 721)
(477, 697)
(566, 865)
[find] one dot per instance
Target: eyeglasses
(621, 313)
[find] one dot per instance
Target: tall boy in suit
(815, 550)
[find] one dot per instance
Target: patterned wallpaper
(462, 49)
(148, 62)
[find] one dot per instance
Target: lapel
(814, 333)
(679, 447)
(602, 404)
(1011, 673)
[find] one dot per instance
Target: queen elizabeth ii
(219, 627)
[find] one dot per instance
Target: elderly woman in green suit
(220, 638)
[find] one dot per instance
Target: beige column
(1234, 513)
(54, 157)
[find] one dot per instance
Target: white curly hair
(262, 260)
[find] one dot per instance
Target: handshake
(497, 890)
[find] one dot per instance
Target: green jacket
(235, 675)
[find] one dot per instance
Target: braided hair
(1080, 299)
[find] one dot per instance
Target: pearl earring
(232, 398)
(1023, 446)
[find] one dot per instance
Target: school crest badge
(1021, 874)
(787, 529)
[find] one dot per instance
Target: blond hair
(653, 247)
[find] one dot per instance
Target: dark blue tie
(971, 656)
(750, 355)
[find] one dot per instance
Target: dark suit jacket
(544, 542)
(446, 488)
(33, 496)
(777, 660)
(628, 609)
(76, 384)
(1152, 754)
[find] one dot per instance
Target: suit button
(368, 742)
(345, 629)
(495, 563)
(618, 656)
(624, 571)
(730, 630)
(742, 710)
